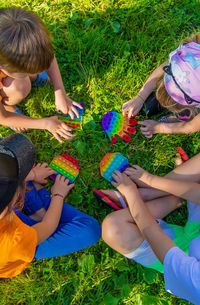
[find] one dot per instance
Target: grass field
(106, 49)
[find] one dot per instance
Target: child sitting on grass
(175, 86)
(135, 233)
(25, 52)
(47, 226)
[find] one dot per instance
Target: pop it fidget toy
(112, 162)
(115, 123)
(65, 165)
(76, 123)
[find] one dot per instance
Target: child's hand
(61, 186)
(150, 127)
(133, 106)
(58, 128)
(41, 172)
(66, 105)
(136, 172)
(123, 183)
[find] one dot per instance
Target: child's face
(16, 75)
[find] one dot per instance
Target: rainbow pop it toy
(115, 123)
(65, 165)
(112, 162)
(76, 123)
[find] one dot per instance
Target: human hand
(123, 183)
(40, 172)
(133, 106)
(66, 105)
(61, 186)
(58, 128)
(150, 127)
(136, 172)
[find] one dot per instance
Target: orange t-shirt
(18, 243)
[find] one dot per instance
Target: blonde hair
(161, 93)
(20, 200)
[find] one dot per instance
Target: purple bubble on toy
(124, 168)
(52, 177)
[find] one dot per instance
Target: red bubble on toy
(65, 165)
(115, 123)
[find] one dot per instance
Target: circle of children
(47, 227)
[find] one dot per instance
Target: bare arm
(50, 221)
(151, 82)
(52, 124)
(159, 242)
(62, 101)
(181, 127)
(181, 188)
(18, 120)
(135, 104)
(184, 189)
(150, 127)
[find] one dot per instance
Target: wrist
(140, 98)
(59, 93)
(148, 179)
(159, 127)
(59, 195)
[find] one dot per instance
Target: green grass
(106, 49)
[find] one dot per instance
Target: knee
(91, 230)
(111, 231)
(18, 89)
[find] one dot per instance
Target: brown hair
(161, 93)
(25, 43)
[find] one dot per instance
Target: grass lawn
(105, 49)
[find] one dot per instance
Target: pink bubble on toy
(115, 123)
(65, 165)
(112, 162)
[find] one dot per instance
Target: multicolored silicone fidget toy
(112, 162)
(65, 165)
(115, 123)
(76, 123)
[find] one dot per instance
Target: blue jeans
(75, 231)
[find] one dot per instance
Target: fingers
(131, 113)
(71, 186)
(77, 104)
(147, 134)
(75, 111)
(45, 164)
(65, 134)
(64, 126)
(116, 176)
(129, 171)
(51, 172)
(115, 184)
(145, 123)
(71, 114)
(57, 137)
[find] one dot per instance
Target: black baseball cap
(17, 157)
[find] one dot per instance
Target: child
(47, 227)
(135, 233)
(177, 88)
(26, 50)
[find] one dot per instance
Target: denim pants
(75, 231)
